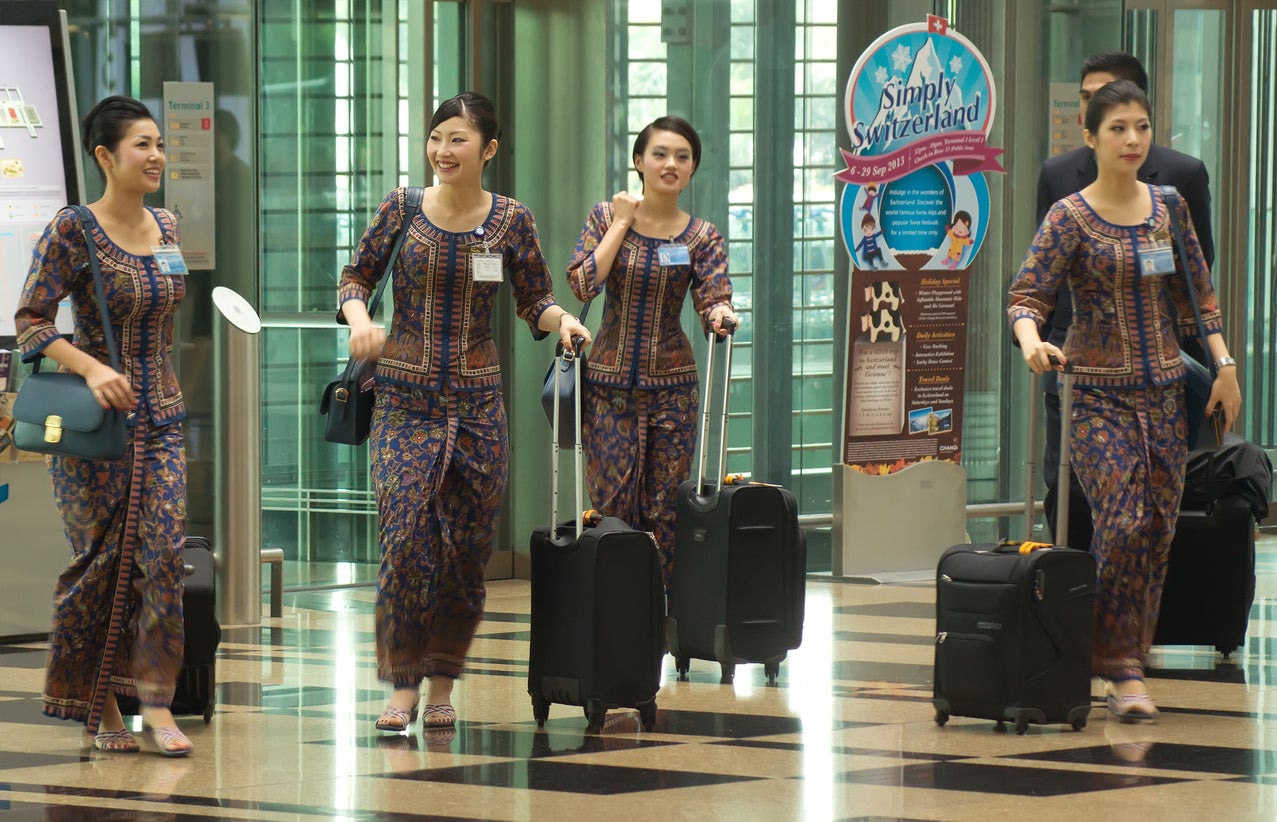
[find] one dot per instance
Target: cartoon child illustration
(868, 245)
(871, 197)
(959, 235)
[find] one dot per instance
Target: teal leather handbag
(56, 412)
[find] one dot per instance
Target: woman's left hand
(718, 315)
(571, 328)
(1227, 394)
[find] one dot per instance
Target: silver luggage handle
(566, 355)
(729, 325)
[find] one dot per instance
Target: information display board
(39, 170)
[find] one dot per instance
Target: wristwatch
(1223, 361)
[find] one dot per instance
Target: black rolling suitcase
(1014, 620)
(740, 562)
(597, 609)
(197, 680)
(1210, 576)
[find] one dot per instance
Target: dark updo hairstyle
(668, 123)
(107, 122)
(1111, 95)
(477, 110)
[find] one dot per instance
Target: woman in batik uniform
(438, 441)
(117, 623)
(640, 397)
(1129, 429)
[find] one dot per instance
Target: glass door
(1215, 97)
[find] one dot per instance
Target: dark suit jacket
(1068, 173)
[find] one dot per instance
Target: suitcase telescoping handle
(729, 326)
(1063, 478)
(566, 355)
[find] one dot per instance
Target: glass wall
(325, 111)
(132, 47)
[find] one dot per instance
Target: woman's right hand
(1042, 356)
(366, 341)
(624, 206)
(110, 388)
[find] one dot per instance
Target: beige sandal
(120, 741)
(171, 742)
(396, 719)
(439, 716)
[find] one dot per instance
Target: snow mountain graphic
(926, 68)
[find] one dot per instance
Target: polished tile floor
(847, 734)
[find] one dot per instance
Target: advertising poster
(914, 213)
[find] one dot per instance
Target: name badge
(486, 268)
(673, 255)
(169, 259)
(1156, 261)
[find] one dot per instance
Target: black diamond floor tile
(568, 777)
(999, 779)
(1167, 756)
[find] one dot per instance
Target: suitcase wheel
(729, 673)
(540, 710)
(1226, 650)
(682, 664)
(772, 668)
(941, 718)
(647, 715)
(1079, 724)
(594, 720)
(1021, 726)
(208, 713)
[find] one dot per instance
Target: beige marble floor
(848, 733)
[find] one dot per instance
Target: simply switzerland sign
(919, 105)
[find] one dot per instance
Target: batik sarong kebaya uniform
(438, 443)
(117, 620)
(1129, 432)
(640, 398)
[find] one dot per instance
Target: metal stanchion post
(237, 431)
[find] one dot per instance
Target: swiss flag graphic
(937, 24)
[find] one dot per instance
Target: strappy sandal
(171, 742)
(1132, 707)
(396, 719)
(438, 716)
(120, 741)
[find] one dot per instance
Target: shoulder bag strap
(87, 222)
(412, 205)
(1171, 196)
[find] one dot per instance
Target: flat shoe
(171, 742)
(396, 719)
(120, 741)
(1132, 707)
(438, 716)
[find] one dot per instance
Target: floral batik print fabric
(439, 464)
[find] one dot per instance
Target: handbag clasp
(341, 395)
(53, 428)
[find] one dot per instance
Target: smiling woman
(118, 623)
(438, 442)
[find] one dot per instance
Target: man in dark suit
(1067, 174)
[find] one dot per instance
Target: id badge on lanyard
(169, 259)
(672, 254)
(1156, 255)
(486, 267)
